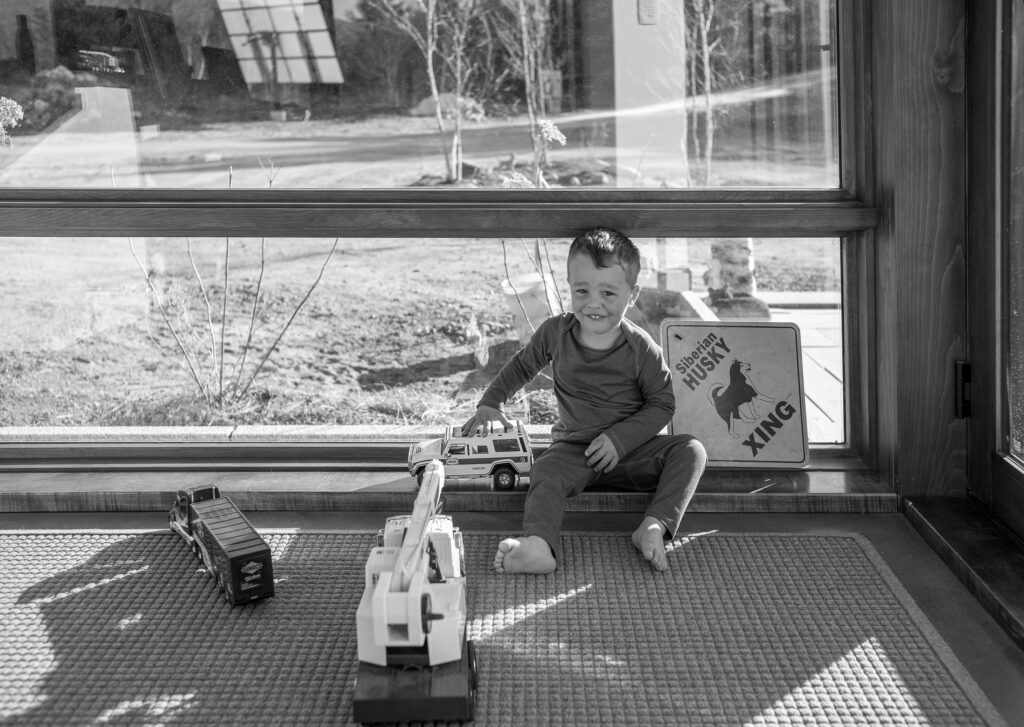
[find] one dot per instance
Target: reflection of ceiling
(292, 33)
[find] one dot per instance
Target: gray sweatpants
(669, 465)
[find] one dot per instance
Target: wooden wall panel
(920, 163)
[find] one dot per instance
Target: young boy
(614, 393)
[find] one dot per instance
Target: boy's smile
(600, 298)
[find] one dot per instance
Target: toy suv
(504, 456)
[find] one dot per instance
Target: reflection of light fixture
(294, 31)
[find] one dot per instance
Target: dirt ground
(396, 331)
(389, 334)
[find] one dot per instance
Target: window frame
(997, 477)
(846, 212)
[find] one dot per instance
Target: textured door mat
(762, 629)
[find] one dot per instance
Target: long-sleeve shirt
(624, 392)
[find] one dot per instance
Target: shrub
(10, 116)
(49, 96)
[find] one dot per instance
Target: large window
(249, 94)
(181, 332)
(295, 214)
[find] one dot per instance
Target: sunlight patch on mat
(490, 624)
(129, 621)
(682, 540)
(842, 689)
(144, 711)
(89, 586)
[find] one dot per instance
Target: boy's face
(600, 297)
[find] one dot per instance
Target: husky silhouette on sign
(737, 401)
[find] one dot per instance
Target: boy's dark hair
(607, 247)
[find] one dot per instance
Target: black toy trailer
(223, 538)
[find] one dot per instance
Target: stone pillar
(732, 285)
(732, 266)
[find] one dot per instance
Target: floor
(983, 647)
(821, 345)
(359, 499)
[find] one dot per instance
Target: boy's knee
(541, 474)
(690, 448)
(554, 465)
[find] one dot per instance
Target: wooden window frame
(997, 477)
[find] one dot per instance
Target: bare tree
(458, 18)
(441, 31)
(705, 18)
(524, 29)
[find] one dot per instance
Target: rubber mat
(761, 629)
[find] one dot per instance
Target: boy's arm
(483, 418)
(659, 404)
(514, 375)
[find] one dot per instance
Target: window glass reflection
(385, 333)
(569, 93)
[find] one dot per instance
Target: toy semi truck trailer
(226, 542)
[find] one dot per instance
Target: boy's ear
(633, 295)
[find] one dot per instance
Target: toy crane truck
(415, 663)
(503, 456)
(225, 541)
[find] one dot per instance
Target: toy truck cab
(503, 456)
(180, 516)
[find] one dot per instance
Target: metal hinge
(962, 389)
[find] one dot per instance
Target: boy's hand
(481, 422)
(601, 454)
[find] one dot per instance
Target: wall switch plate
(647, 12)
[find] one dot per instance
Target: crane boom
(417, 535)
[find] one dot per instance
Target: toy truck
(415, 662)
(503, 456)
(225, 541)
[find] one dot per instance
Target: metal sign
(739, 390)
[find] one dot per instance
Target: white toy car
(503, 456)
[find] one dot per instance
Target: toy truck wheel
(419, 475)
(425, 605)
(472, 664)
(504, 478)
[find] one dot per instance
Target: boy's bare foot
(530, 554)
(649, 539)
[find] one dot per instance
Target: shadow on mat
(139, 634)
(740, 629)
